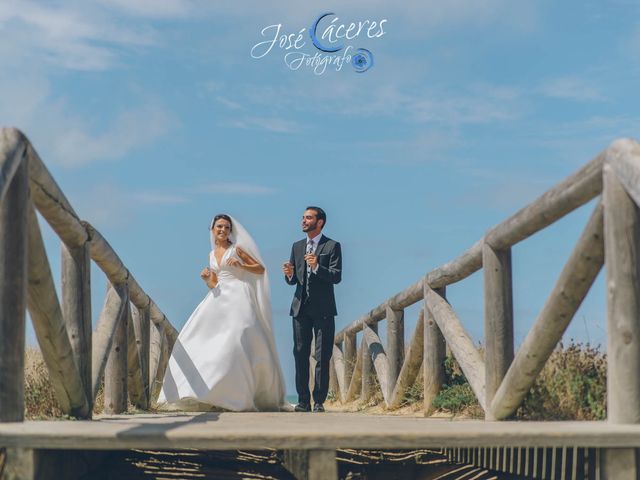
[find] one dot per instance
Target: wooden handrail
(501, 380)
(76, 367)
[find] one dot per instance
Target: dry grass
(39, 396)
(572, 386)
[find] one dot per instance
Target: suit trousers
(305, 326)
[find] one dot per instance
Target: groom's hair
(320, 214)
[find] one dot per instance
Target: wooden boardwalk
(225, 431)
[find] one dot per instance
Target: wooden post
(141, 327)
(115, 376)
(621, 243)
(350, 357)
(137, 382)
(622, 239)
(395, 343)
(434, 355)
(155, 352)
(13, 294)
(411, 366)
(312, 464)
(76, 310)
(367, 368)
(498, 318)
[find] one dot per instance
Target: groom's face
(309, 221)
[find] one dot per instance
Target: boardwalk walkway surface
(224, 431)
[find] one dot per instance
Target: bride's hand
(234, 262)
(205, 273)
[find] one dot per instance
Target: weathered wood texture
(380, 361)
(498, 317)
(137, 377)
(411, 365)
(355, 386)
(113, 311)
(20, 464)
(311, 464)
(331, 430)
(12, 153)
(572, 286)
(573, 192)
(395, 343)
(350, 354)
(76, 310)
(13, 286)
(115, 375)
(340, 386)
(624, 158)
(368, 378)
(622, 240)
(158, 345)
(619, 464)
(434, 353)
(462, 347)
(50, 328)
(142, 330)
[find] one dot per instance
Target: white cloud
(572, 88)
(232, 188)
(73, 36)
(159, 198)
(153, 8)
(271, 124)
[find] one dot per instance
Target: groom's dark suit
(314, 312)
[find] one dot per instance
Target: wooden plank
(355, 386)
(338, 365)
(50, 328)
(434, 353)
(141, 329)
(12, 152)
(76, 310)
(137, 378)
(622, 237)
(350, 357)
(367, 369)
(13, 281)
(566, 196)
(498, 317)
(53, 204)
(155, 351)
(113, 311)
(572, 286)
(163, 361)
(460, 343)
(115, 375)
(380, 361)
(395, 344)
(620, 463)
(411, 365)
(291, 430)
(623, 156)
(20, 464)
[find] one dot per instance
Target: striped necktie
(309, 250)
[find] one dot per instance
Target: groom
(315, 266)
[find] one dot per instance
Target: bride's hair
(224, 216)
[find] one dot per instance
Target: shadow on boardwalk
(267, 464)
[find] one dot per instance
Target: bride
(225, 356)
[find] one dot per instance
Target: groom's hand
(312, 260)
(287, 268)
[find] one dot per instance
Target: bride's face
(221, 230)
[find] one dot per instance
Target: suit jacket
(321, 299)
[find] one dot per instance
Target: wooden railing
(133, 339)
(500, 379)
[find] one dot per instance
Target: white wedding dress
(225, 355)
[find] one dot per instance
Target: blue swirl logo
(362, 60)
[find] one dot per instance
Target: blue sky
(153, 116)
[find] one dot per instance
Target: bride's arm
(249, 263)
